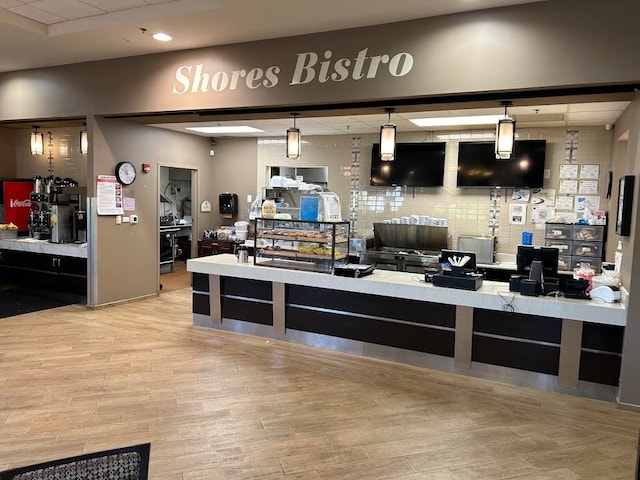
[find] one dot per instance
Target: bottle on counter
(268, 208)
(617, 258)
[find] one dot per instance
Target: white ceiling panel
(67, 9)
(36, 14)
(115, 5)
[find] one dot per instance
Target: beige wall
(466, 210)
(517, 48)
(7, 153)
(233, 170)
(127, 261)
(67, 161)
(627, 156)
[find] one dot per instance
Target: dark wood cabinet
(43, 271)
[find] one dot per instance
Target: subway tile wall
(466, 210)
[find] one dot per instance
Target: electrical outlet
(133, 219)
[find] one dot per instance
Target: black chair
(126, 463)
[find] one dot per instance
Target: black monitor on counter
(537, 263)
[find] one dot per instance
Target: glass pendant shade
(388, 142)
(37, 143)
(293, 143)
(505, 137)
(84, 142)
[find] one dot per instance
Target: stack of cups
(242, 230)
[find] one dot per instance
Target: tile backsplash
(467, 210)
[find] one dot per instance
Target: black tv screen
(478, 166)
(415, 165)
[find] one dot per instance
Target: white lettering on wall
(309, 67)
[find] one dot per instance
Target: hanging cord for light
(50, 151)
(505, 134)
(293, 140)
(388, 139)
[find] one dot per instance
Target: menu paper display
(521, 194)
(589, 171)
(517, 213)
(569, 171)
(588, 187)
(568, 186)
(331, 210)
(592, 202)
(109, 195)
(544, 196)
(564, 203)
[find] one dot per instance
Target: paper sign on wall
(568, 171)
(109, 195)
(592, 202)
(517, 213)
(568, 186)
(544, 196)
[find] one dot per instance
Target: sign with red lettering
(17, 204)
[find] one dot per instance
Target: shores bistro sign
(310, 67)
(526, 47)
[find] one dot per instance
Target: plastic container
(268, 208)
(527, 238)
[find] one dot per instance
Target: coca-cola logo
(26, 203)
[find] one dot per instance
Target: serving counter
(551, 342)
(59, 267)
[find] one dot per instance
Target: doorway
(176, 226)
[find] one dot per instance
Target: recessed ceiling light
(457, 121)
(162, 37)
(225, 129)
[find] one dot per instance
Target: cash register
(537, 272)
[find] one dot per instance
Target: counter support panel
(215, 299)
(278, 292)
(570, 343)
(464, 336)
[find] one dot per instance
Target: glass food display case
(301, 245)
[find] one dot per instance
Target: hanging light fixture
(37, 142)
(293, 140)
(388, 139)
(505, 135)
(84, 142)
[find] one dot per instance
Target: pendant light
(37, 142)
(84, 142)
(293, 140)
(388, 139)
(505, 135)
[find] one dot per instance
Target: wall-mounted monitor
(478, 166)
(415, 165)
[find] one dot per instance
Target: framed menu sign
(625, 199)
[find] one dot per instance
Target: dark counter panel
(247, 310)
(530, 327)
(200, 282)
(510, 353)
(607, 338)
(242, 287)
(600, 367)
(401, 335)
(361, 303)
(200, 303)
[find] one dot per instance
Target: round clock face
(125, 173)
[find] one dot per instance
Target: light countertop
(78, 250)
(491, 296)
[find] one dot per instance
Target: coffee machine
(62, 224)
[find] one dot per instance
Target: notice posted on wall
(517, 213)
(109, 195)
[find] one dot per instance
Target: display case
(301, 245)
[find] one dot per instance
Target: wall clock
(125, 173)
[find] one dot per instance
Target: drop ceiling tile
(10, 3)
(598, 106)
(115, 5)
(67, 9)
(36, 14)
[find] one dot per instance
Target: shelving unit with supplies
(301, 245)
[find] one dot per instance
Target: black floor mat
(17, 302)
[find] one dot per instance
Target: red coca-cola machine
(15, 195)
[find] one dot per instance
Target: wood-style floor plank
(220, 405)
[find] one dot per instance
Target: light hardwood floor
(218, 405)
